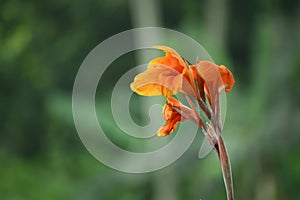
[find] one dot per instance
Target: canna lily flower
(171, 116)
(173, 113)
(211, 72)
(170, 75)
(165, 76)
(215, 79)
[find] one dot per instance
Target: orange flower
(170, 75)
(165, 76)
(174, 112)
(215, 79)
(211, 72)
(171, 116)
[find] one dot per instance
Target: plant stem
(226, 168)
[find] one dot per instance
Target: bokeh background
(42, 46)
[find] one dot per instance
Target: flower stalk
(226, 168)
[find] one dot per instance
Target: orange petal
(172, 118)
(211, 72)
(175, 112)
(227, 77)
(174, 60)
(171, 59)
(165, 76)
(168, 128)
(186, 112)
(213, 83)
(194, 72)
(158, 80)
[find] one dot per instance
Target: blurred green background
(42, 46)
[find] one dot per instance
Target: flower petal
(174, 112)
(171, 59)
(212, 72)
(172, 118)
(165, 76)
(213, 83)
(227, 77)
(169, 127)
(174, 60)
(158, 80)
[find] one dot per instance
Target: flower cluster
(171, 74)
